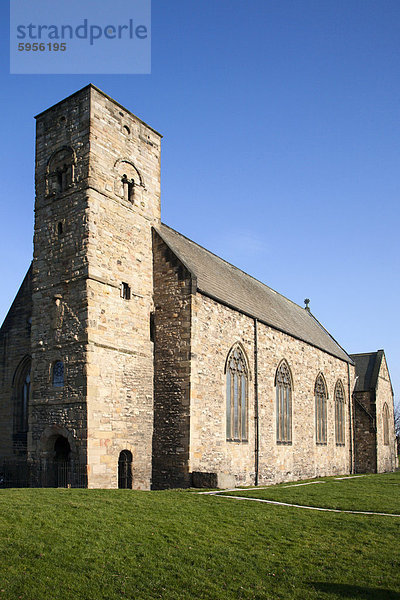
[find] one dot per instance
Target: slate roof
(225, 283)
(367, 370)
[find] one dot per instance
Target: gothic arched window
(283, 383)
(339, 414)
(385, 415)
(58, 374)
(22, 385)
(236, 396)
(320, 410)
(60, 172)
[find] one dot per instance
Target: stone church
(133, 357)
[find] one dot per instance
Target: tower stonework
(97, 198)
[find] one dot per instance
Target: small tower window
(58, 374)
(60, 171)
(152, 327)
(129, 188)
(125, 291)
(60, 229)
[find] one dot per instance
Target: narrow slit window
(386, 424)
(125, 291)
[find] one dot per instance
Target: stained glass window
(58, 374)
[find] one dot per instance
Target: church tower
(97, 198)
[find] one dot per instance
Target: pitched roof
(367, 370)
(225, 283)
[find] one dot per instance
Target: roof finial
(307, 302)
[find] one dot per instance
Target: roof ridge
(328, 333)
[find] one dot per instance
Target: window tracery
(236, 396)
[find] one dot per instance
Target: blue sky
(280, 152)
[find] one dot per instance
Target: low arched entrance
(59, 461)
(125, 470)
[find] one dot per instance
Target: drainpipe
(256, 420)
(350, 420)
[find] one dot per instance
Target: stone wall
(59, 317)
(172, 320)
(364, 432)
(215, 329)
(386, 454)
(120, 351)
(15, 346)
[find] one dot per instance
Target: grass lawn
(375, 493)
(112, 544)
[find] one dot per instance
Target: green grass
(375, 493)
(99, 544)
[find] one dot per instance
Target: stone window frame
(284, 403)
(58, 385)
(321, 412)
(340, 414)
(21, 385)
(59, 179)
(386, 418)
(237, 394)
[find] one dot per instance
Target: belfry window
(60, 172)
(58, 374)
(385, 415)
(320, 410)
(129, 188)
(339, 414)
(283, 382)
(236, 396)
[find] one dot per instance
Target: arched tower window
(125, 470)
(128, 180)
(283, 383)
(339, 414)
(58, 374)
(385, 415)
(236, 396)
(60, 172)
(320, 410)
(22, 385)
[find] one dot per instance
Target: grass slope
(112, 544)
(375, 493)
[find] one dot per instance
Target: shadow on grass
(355, 591)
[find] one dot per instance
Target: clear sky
(280, 152)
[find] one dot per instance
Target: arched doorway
(62, 463)
(62, 449)
(125, 470)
